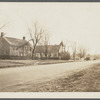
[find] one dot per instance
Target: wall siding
(4, 47)
(13, 52)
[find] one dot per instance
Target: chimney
(2, 34)
(23, 37)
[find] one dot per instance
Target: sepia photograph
(49, 47)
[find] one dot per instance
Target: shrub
(94, 58)
(65, 55)
(87, 58)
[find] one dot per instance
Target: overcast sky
(79, 22)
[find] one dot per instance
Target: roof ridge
(15, 41)
(15, 38)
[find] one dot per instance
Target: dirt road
(13, 79)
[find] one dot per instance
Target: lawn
(19, 63)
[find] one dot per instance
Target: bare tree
(36, 34)
(82, 51)
(73, 46)
(2, 26)
(45, 41)
(66, 46)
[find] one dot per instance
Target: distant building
(50, 51)
(14, 48)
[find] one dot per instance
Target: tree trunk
(74, 56)
(33, 54)
(33, 51)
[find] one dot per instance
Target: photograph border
(50, 96)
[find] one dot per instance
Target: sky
(77, 22)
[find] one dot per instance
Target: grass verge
(87, 80)
(20, 63)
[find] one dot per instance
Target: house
(14, 48)
(49, 51)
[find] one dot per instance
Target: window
(20, 53)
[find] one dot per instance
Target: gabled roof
(16, 42)
(51, 49)
(39, 49)
(54, 48)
